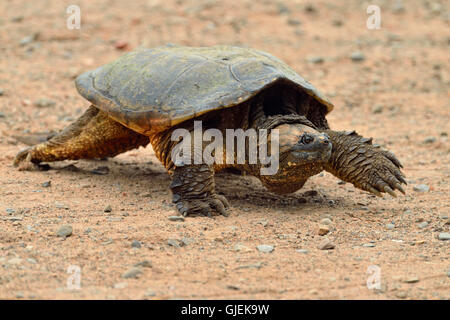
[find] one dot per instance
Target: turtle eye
(306, 139)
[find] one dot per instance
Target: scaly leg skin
(355, 159)
(93, 135)
(193, 190)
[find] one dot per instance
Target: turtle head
(302, 154)
(300, 145)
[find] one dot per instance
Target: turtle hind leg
(93, 135)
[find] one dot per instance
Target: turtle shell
(152, 90)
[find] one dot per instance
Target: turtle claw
(212, 206)
(24, 161)
(399, 187)
(387, 189)
(375, 191)
(23, 156)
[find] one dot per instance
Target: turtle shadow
(241, 190)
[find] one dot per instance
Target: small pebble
(398, 7)
(357, 56)
(47, 184)
(377, 109)
(144, 264)
(132, 273)
(390, 226)
(233, 287)
(120, 45)
(444, 236)
(326, 244)
(27, 40)
(429, 140)
(173, 243)
(411, 280)
(241, 248)
(323, 230)
(401, 294)
(421, 188)
(185, 241)
(309, 8)
(176, 218)
(64, 231)
(107, 208)
(368, 245)
(120, 285)
(315, 59)
(301, 251)
(423, 225)
(44, 103)
(136, 244)
(294, 22)
(265, 248)
(326, 221)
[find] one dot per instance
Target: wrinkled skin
(307, 146)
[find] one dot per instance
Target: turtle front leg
(193, 190)
(355, 159)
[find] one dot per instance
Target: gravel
(411, 280)
(265, 248)
(421, 188)
(64, 231)
(326, 221)
(173, 243)
(136, 244)
(144, 264)
(326, 244)
(241, 248)
(44, 103)
(315, 59)
(132, 273)
(176, 218)
(444, 236)
(377, 109)
(429, 140)
(357, 56)
(423, 225)
(323, 230)
(47, 184)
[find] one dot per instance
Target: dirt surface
(397, 91)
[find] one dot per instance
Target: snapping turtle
(144, 96)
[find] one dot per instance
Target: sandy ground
(398, 93)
